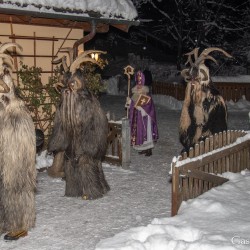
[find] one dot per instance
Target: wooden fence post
(125, 143)
(175, 190)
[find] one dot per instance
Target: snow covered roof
(104, 11)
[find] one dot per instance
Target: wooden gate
(118, 151)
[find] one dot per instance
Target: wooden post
(53, 54)
(175, 190)
(34, 49)
(125, 143)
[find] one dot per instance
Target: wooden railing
(200, 171)
(229, 91)
(175, 90)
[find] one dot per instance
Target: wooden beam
(17, 55)
(194, 173)
(32, 38)
(122, 27)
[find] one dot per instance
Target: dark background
(169, 29)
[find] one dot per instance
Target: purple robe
(139, 124)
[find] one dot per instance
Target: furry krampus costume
(17, 158)
(204, 111)
(80, 130)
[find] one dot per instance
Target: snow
(231, 145)
(135, 214)
(232, 79)
(107, 8)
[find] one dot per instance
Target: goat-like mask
(68, 72)
(198, 71)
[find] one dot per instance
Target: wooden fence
(175, 90)
(229, 91)
(200, 171)
(234, 91)
(118, 151)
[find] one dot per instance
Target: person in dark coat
(148, 79)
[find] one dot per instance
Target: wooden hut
(43, 30)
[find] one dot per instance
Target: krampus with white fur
(80, 131)
(17, 158)
(204, 111)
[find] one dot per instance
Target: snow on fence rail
(200, 170)
(229, 90)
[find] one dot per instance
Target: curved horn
(5, 56)
(57, 61)
(76, 64)
(202, 58)
(5, 46)
(63, 61)
(84, 58)
(70, 51)
(211, 58)
(58, 86)
(205, 55)
(185, 74)
(6, 89)
(209, 50)
(189, 54)
(64, 64)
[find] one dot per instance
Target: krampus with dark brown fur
(204, 111)
(80, 131)
(17, 158)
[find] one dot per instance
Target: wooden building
(42, 32)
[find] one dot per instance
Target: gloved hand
(128, 102)
(139, 108)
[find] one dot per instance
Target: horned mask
(68, 71)
(198, 71)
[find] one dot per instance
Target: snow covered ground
(135, 214)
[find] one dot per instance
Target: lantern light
(95, 56)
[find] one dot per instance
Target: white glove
(128, 102)
(139, 108)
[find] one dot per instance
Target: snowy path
(137, 195)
